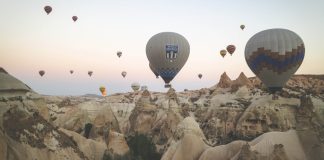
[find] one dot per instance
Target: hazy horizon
(31, 41)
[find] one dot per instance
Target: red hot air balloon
(230, 49)
(48, 9)
(74, 18)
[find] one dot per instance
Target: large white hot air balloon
(274, 55)
(154, 71)
(167, 52)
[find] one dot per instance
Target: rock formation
(224, 81)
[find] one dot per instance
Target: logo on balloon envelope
(171, 52)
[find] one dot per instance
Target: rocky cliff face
(232, 120)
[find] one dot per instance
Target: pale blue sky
(30, 40)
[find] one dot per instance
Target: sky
(31, 40)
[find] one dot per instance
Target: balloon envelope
(71, 71)
(119, 53)
(242, 27)
(48, 9)
(124, 74)
(135, 86)
(74, 18)
(167, 53)
(154, 71)
(200, 75)
(230, 49)
(41, 73)
(223, 52)
(274, 55)
(102, 89)
(90, 73)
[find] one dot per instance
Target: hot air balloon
(274, 55)
(135, 86)
(102, 89)
(223, 52)
(71, 71)
(199, 75)
(154, 71)
(90, 73)
(167, 53)
(48, 9)
(124, 73)
(242, 26)
(119, 53)
(143, 88)
(230, 49)
(74, 18)
(41, 73)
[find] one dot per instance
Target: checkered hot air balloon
(274, 55)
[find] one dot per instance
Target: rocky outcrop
(26, 135)
(224, 81)
(246, 153)
(279, 153)
(240, 81)
(190, 147)
(235, 120)
(11, 86)
(117, 147)
(142, 119)
(90, 148)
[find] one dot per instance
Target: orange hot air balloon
(223, 52)
(230, 49)
(74, 18)
(102, 89)
(48, 9)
